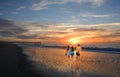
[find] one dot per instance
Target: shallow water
(52, 62)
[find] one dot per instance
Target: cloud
(66, 10)
(106, 32)
(97, 33)
(108, 26)
(88, 29)
(6, 33)
(1, 13)
(53, 32)
(46, 30)
(75, 19)
(5, 23)
(10, 28)
(96, 2)
(43, 4)
(111, 30)
(20, 8)
(26, 36)
(14, 13)
(87, 15)
(112, 34)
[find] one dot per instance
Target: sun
(75, 40)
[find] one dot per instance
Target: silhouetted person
(68, 51)
(72, 51)
(78, 50)
(68, 48)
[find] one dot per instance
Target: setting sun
(75, 40)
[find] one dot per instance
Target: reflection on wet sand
(53, 63)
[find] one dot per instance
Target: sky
(61, 22)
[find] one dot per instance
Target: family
(71, 51)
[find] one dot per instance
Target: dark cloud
(6, 33)
(88, 29)
(44, 37)
(38, 25)
(6, 23)
(59, 32)
(48, 38)
(112, 35)
(10, 28)
(27, 36)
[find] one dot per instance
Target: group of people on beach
(71, 51)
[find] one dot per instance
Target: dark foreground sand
(13, 63)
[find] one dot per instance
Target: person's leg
(78, 56)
